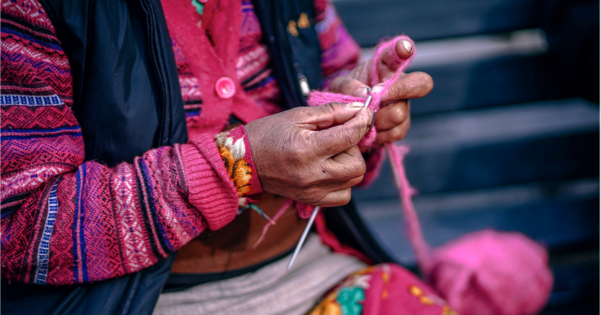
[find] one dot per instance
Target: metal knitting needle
(316, 210)
(303, 237)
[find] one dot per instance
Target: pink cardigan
(66, 220)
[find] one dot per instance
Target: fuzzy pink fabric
(480, 274)
(395, 290)
(489, 273)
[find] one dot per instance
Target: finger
(340, 138)
(392, 115)
(346, 165)
(326, 116)
(336, 198)
(396, 54)
(336, 186)
(395, 134)
(348, 86)
(404, 48)
(412, 85)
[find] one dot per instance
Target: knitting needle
(316, 210)
(303, 237)
(367, 101)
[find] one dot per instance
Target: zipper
(303, 82)
(288, 64)
(158, 69)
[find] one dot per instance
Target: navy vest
(126, 93)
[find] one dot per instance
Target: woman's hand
(393, 119)
(310, 154)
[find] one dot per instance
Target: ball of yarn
(490, 272)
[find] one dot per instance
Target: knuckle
(303, 180)
(358, 166)
(349, 138)
(356, 181)
(399, 113)
(362, 167)
(338, 83)
(358, 170)
(398, 89)
(346, 196)
(397, 133)
(330, 108)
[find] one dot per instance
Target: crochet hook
(316, 210)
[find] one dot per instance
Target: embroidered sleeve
(234, 149)
(340, 52)
(65, 220)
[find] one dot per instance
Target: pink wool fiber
(483, 273)
(489, 273)
(317, 98)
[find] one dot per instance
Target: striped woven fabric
(66, 220)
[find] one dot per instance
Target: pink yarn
(489, 273)
(481, 273)
(279, 214)
(304, 210)
(388, 48)
(317, 98)
(420, 247)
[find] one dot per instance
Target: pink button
(202, 1)
(225, 88)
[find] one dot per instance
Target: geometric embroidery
(30, 100)
(41, 272)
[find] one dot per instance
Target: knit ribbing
(209, 186)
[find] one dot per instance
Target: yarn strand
(396, 154)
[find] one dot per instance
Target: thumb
(340, 138)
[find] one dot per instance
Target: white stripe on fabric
(41, 272)
(30, 100)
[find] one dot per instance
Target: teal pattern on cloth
(349, 299)
(257, 210)
(199, 6)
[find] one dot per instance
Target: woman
(115, 155)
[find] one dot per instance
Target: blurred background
(509, 137)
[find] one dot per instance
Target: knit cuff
(234, 149)
(210, 189)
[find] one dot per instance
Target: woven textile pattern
(66, 220)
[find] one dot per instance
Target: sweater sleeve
(340, 52)
(65, 220)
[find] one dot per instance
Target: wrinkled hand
(310, 154)
(392, 120)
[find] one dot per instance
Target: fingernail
(378, 89)
(408, 46)
(354, 105)
(367, 91)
